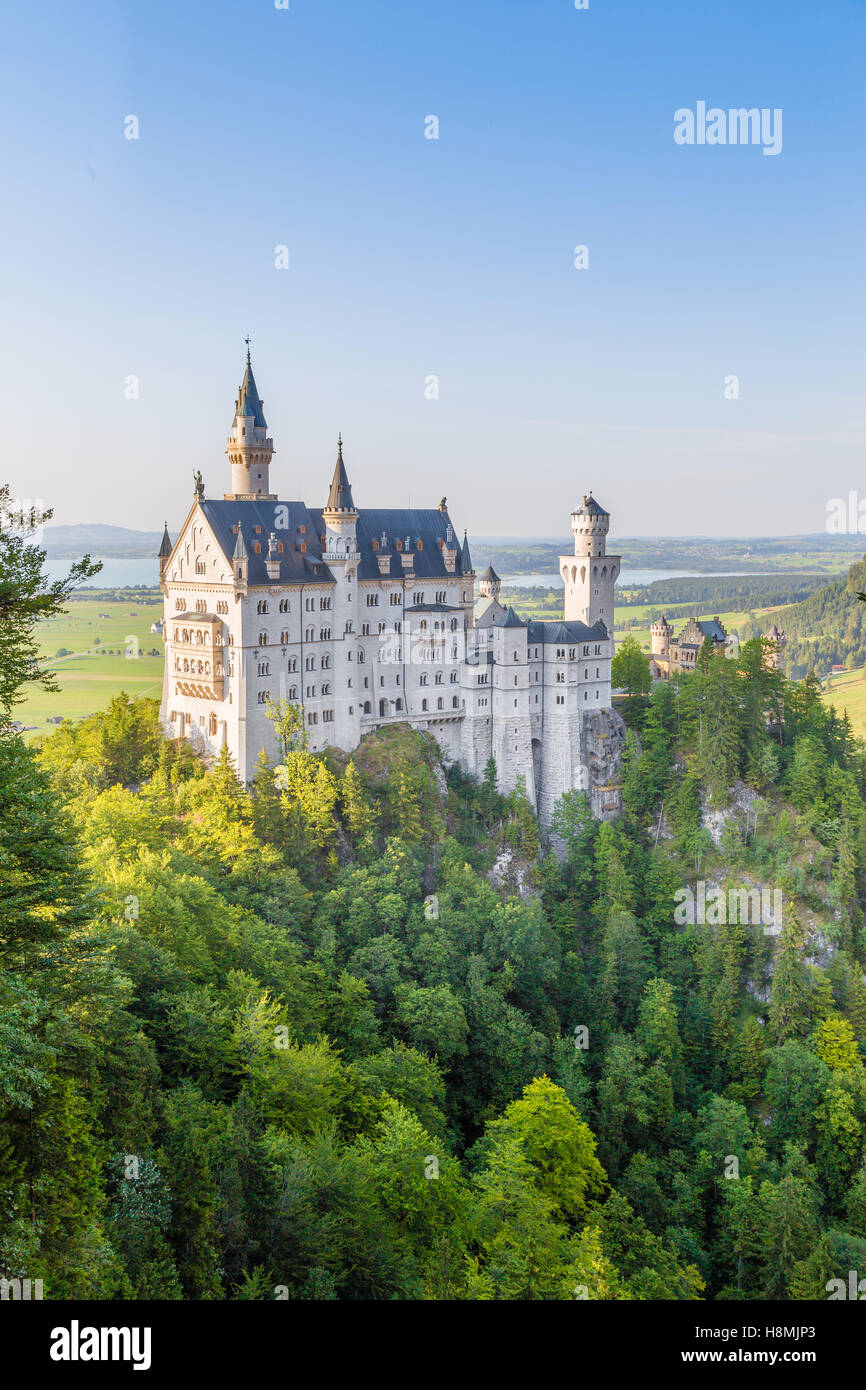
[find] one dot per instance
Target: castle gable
(197, 555)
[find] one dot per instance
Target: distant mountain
(102, 542)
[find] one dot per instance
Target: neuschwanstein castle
(373, 616)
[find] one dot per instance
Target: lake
(115, 574)
(626, 580)
(118, 574)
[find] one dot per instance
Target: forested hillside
(360, 1031)
(356, 1033)
(827, 628)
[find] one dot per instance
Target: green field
(97, 633)
(632, 620)
(848, 692)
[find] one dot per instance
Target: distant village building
(367, 617)
(671, 655)
(157, 627)
(779, 639)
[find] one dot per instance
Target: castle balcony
(329, 555)
(199, 687)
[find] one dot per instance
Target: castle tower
(164, 551)
(341, 555)
(589, 574)
(511, 728)
(779, 639)
(340, 514)
(661, 633)
(489, 584)
(249, 449)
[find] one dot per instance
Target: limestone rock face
(602, 740)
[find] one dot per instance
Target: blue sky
(452, 257)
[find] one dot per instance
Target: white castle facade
(369, 617)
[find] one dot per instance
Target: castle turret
(240, 560)
(340, 514)
(341, 555)
(779, 640)
(661, 633)
(589, 574)
(165, 550)
(465, 557)
(249, 449)
(489, 584)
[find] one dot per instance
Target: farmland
(97, 647)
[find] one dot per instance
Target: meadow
(96, 648)
(95, 635)
(847, 693)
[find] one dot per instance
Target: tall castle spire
(340, 497)
(249, 449)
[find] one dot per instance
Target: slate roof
(295, 567)
(299, 568)
(249, 401)
(340, 496)
(713, 629)
(490, 573)
(511, 619)
(565, 632)
(590, 507)
(166, 548)
(431, 526)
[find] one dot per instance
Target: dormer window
(375, 545)
(399, 545)
(257, 547)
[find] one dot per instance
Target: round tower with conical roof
(489, 584)
(661, 633)
(589, 575)
(249, 449)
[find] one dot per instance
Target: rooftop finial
(247, 341)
